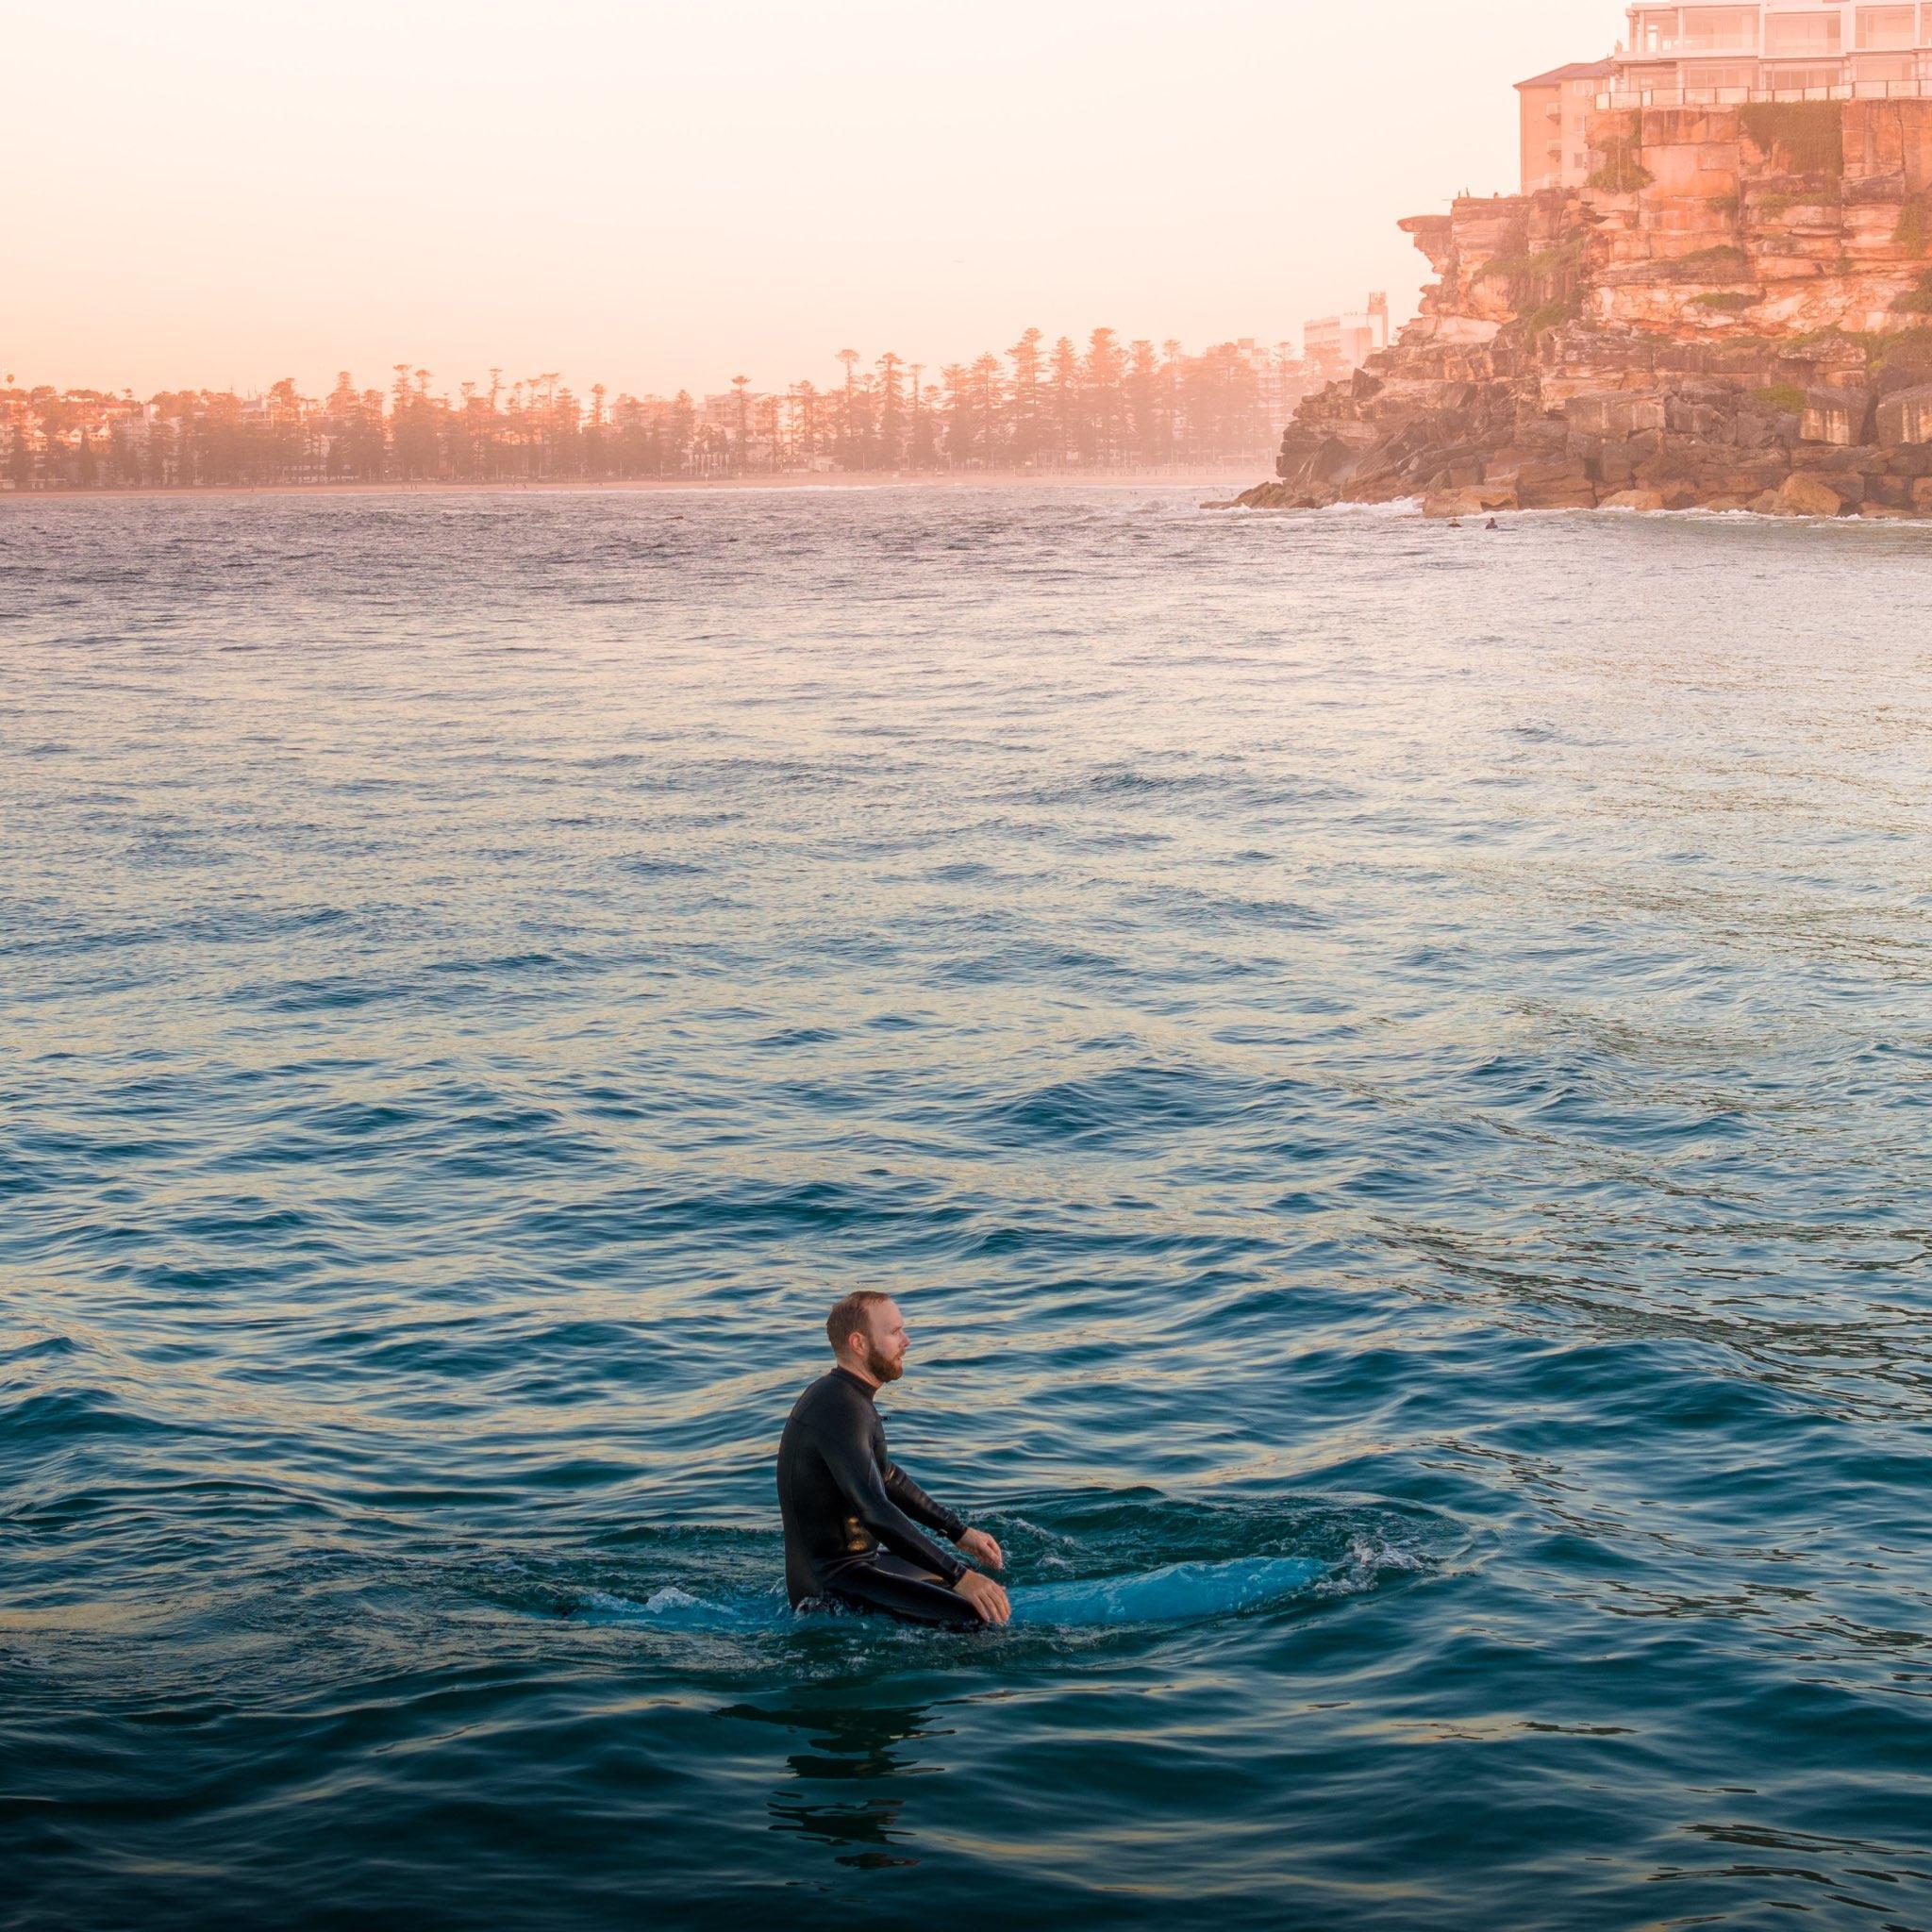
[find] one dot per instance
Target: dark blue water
(1352, 1040)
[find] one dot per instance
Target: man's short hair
(852, 1316)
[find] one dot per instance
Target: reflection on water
(1351, 1042)
(844, 1746)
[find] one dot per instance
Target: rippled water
(1352, 1039)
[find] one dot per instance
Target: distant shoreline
(879, 479)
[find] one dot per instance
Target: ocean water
(1391, 1057)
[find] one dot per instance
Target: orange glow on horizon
(662, 197)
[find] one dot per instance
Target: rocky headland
(1736, 313)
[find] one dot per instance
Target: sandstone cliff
(1734, 314)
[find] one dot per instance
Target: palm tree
(739, 385)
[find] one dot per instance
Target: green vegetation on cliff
(1623, 172)
(1727, 262)
(1540, 322)
(1538, 267)
(1920, 302)
(1809, 134)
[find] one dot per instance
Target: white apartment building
(1338, 345)
(1788, 50)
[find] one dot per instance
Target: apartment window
(1655, 32)
(1712, 79)
(1720, 29)
(1791, 80)
(1885, 27)
(1802, 33)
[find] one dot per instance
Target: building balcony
(1624, 99)
(1733, 45)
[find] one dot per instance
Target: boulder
(1455, 476)
(1634, 499)
(1521, 468)
(1574, 493)
(1616, 465)
(1701, 420)
(1616, 415)
(1906, 418)
(1805, 494)
(1479, 500)
(1312, 459)
(1841, 417)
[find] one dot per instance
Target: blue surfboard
(1177, 1594)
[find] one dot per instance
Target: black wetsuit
(842, 1498)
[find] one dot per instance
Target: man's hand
(988, 1599)
(982, 1549)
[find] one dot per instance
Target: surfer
(856, 1524)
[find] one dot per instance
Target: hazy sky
(201, 191)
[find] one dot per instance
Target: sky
(204, 193)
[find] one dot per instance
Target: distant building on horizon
(1337, 345)
(1555, 106)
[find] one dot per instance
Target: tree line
(1040, 406)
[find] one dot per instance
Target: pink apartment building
(1556, 153)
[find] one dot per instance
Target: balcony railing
(1920, 89)
(1742, 47)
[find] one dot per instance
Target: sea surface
(1357, 1043)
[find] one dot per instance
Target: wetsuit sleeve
(858, 1476)
(907, 1495)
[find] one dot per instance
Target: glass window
(1790, 80)
(1711, 78)
(1655, 31)
(1885, 27)
(1802, 33)
(1720, 29)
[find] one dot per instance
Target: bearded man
(855, 1523)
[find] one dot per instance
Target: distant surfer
(855, 1523)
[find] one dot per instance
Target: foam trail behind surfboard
(1180, 1592)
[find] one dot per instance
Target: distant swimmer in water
(1492, 524)
(855, 1523)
